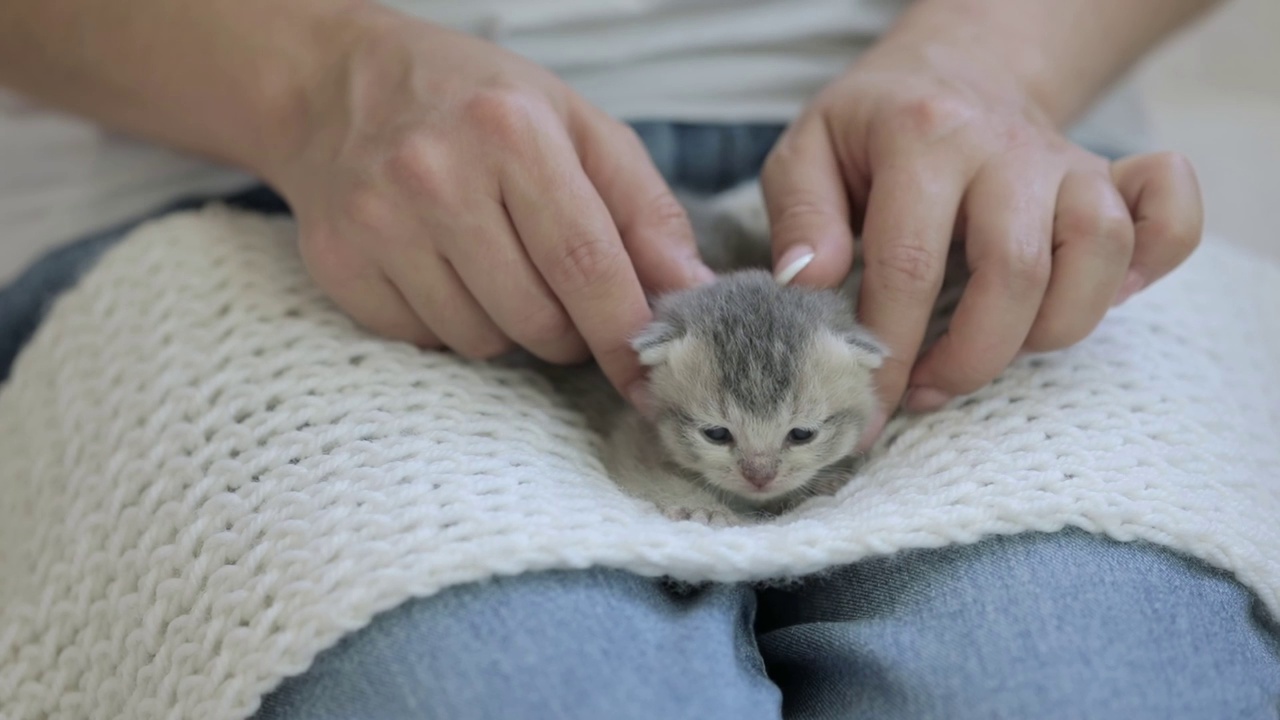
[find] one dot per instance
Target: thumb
(654, 226)
(808, 206)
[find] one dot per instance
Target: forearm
(220, 79)
(1064, 52)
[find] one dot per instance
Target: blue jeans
(1058, 625)
(1036, 626)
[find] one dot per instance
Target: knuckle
(505, 114)
(330, 261)
(368, 210)
(418, 164)
(1015, 135)
(585, 261)
(1176, 239)
(1116, 232)
(933, 116)
(388, 322)
(1025, 265)
(1173, 164)
(907, 268)
(797, 217)
(664, 210)
(545, 323)
(1105, 226)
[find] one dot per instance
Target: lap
(544, 646)
(1042, 625)
(1036, 625)
(1026, 626)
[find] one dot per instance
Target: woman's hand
(454, 195)
(920, 144)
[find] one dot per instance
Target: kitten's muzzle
(759, 472)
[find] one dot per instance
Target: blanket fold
(208, 474)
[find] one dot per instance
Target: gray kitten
(758, 395)
(735, 368)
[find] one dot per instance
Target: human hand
(454, 195)
(915, 147)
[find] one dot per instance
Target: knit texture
(210, 474)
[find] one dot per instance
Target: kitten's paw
(715, 517)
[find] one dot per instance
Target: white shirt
(688, 60)
(692, 60)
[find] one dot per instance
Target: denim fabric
(1065, 625)
(1038, 625)
(1061, 625)
(707, 158)
(24, 302)
(601, 644)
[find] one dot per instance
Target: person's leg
(25, 301)
(588, 644)
(1061, 625)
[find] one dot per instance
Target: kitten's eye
(717, 435)
(800, 435)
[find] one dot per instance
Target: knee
(576, 644)
(1041, 625)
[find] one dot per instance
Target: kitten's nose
(759, 475)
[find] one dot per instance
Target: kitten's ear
(654, 342)
(866, 349)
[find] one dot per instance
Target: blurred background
(1212, 93)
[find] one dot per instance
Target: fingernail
(924, 399)
(792, 262)
(1133, 282)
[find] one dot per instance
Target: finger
(808, 207)
(500, 276)
(1092, 247)
(652, 224)
(1009, 225)
(438, 296)
(1163, 195)
(365, 294)
(571, 238)
(378, 306)
(910, 220)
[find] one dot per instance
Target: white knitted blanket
(208, 474)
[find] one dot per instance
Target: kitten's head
(755, 386)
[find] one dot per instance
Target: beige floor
(1214, 94)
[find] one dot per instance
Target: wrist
(334, 78)
(968, 44)
(284, 97)
(1061, 54)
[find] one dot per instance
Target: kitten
(758, 394)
